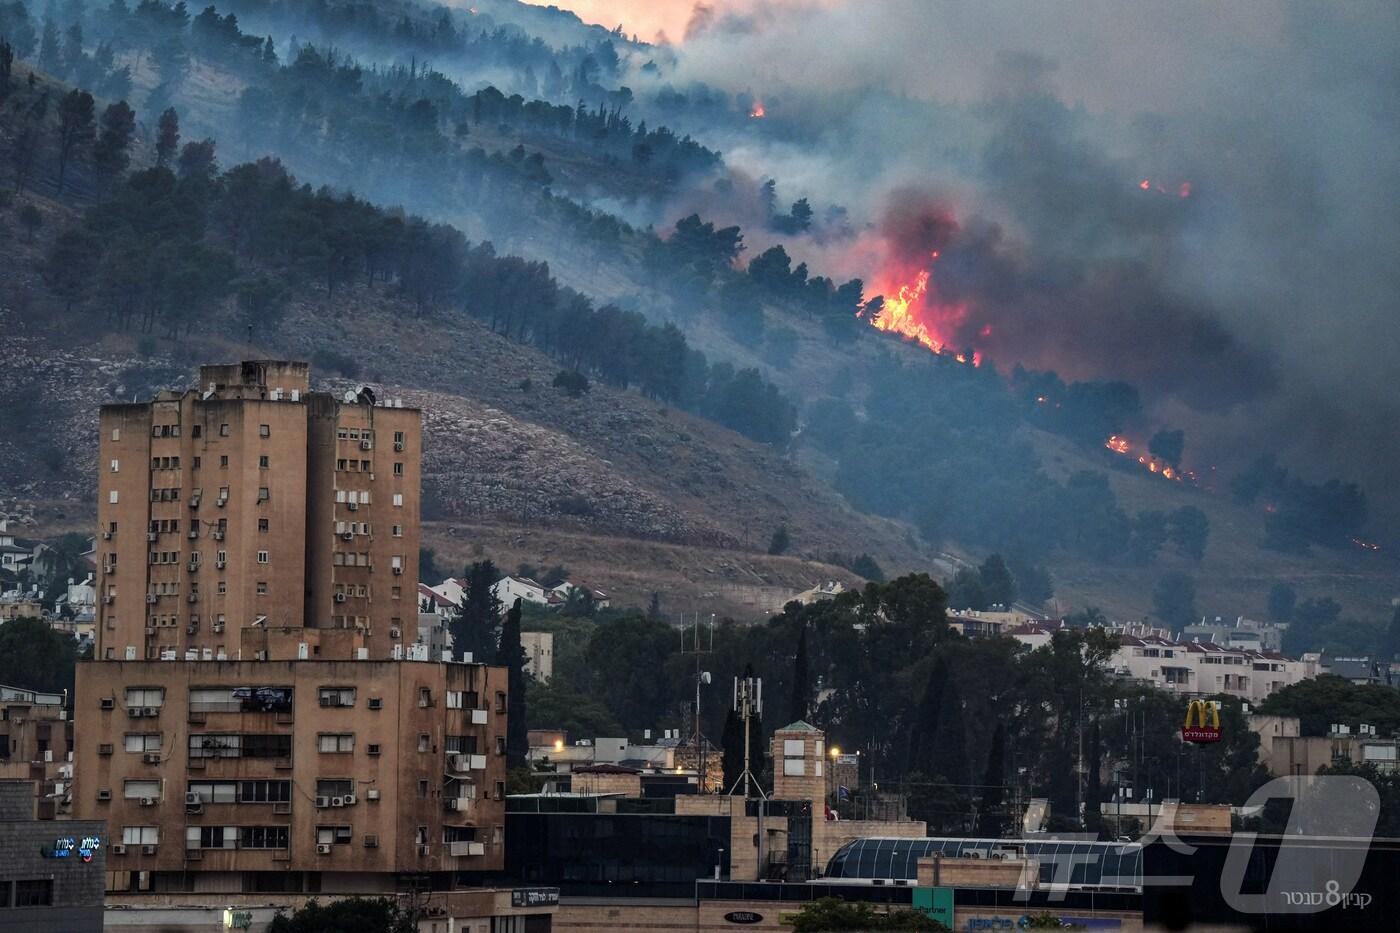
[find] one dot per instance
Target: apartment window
(116, 466)
(332, 835)
(141, 742)
(262, 587)
(264, 430)
(262, 557)
(221, 588)
(264, 791)
(395, 592)
(500, 701)
(500, 745)
(337, 696)
(112, 497)
(141, 835)
(398, 469)
(35, 893)
(223, 430)
(215, 791)
(420, 836)
(335, 743)
(263, 525)
(116, 434)
(398, 500)
(196, 463)
(223, 461)
(425, 697)
(364, 466)
(211, 837)
(460, 745)
(263, 837)
(266, 746)
(398, 437)
(264, 494)
(423, 741)
(216, 745)
(135, 790)
(263, 462)
(422, 788)
(340, 464)
(197, 431)
(144, 696)
(500, 790)
(398, 531)
(334, 787)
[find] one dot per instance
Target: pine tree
(732, 745)
(167, 137)
(109, 155)
(991, 818)
(923, 734)
(801, 686)
(512, 655)
(474, 628)
(75, 128)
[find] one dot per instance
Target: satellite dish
(705, 677)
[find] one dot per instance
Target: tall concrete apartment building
(257, 719)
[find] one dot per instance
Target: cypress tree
(512, 655)
(991, 820)
(801, 686)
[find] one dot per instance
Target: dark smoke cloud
(1262, 308)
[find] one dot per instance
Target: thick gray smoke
(1260, 310)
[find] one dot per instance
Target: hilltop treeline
(163, 246)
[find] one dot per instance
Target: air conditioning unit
(118, 849)
(323, 848)
(109, 568)
(350, 800)
(366, 445)
(398, 571)
(194, 597)
(149, 801)
(151, 758)
(151, 598)
(372, 750)
(194, 566)
(218, 536)
(150, 712)
(282, 807)
(194, 533)
(193, 800)
(353, 506)
(105, 748)
(398, 447)
(371, 794)
(191, 629)
(322, 802)
(218, 626)
(371, 841)
(340, 597)
(150, 536)
(337, 801)
(219, 564)
(150, 630)
(394, 633)
(104, 794)
(423, 850)
(106, 536)
(221, 502)
(108, 600)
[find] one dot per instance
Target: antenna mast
(748, 703)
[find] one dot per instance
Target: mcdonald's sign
(1206, 715)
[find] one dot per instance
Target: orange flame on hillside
(913, 311)
(1123, 447)
(758, 112)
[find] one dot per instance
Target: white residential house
(13, 557)
(431, 600)
(509, 589)
(452, 591)
(599, 597)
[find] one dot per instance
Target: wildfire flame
(909, 310)
(1123, 447)
(758, 112)
(1183, 190)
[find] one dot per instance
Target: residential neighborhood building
(1285, 751)
(51, 872)
(510, 588)
(36, 741)
(539, 654)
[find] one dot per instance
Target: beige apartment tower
(250, 501)
(257, 717)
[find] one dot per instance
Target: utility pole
(702, 677)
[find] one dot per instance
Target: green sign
(238, 919)
(937, 903)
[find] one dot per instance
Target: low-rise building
(509, 588)
(50, 872)
(539, 654)
(36, 738)
(1285, 751)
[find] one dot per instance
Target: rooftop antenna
(702, 678)
(748, 703)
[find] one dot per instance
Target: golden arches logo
(1206, 729)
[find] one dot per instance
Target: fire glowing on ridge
(757, 111)
(912, 311)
